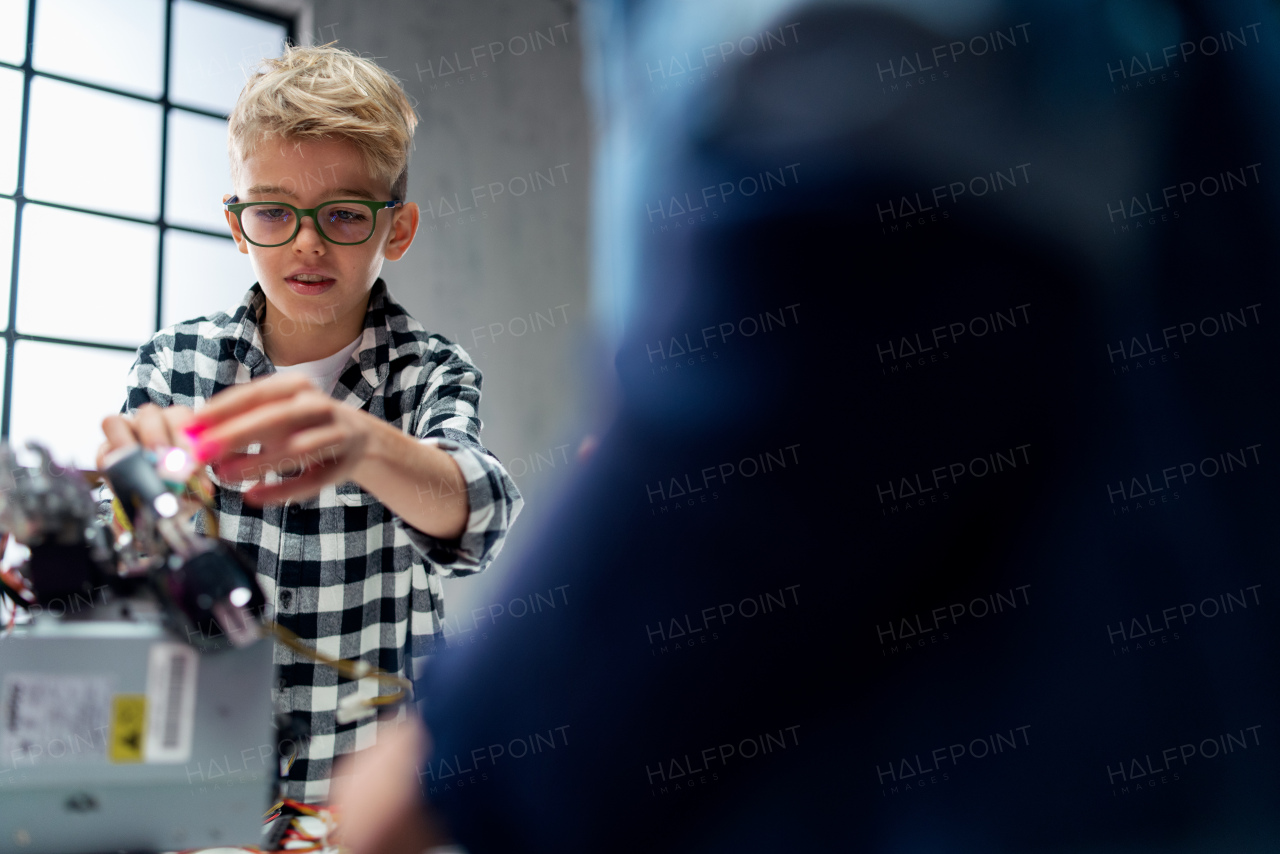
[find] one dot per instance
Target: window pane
(70, 422)
(10, 126)
(213, 52)
(13, 31)
(86, 277)
(93, 150)
(199, 174)
(118, 44)
(6, 258)
(202, 275)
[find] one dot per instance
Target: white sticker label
(63, 718)
(171, 702)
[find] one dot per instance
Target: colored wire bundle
(354, 670)
(14, 588)
(192, 489)
(295, 831)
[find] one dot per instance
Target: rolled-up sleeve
(148, 380)
(449, 419)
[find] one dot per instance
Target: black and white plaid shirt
(342, 571)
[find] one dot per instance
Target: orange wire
(305, 809)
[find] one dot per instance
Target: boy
(369, 481)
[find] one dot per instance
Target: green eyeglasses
(346, 222)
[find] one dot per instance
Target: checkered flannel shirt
(348, 576)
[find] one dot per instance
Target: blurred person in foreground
(838, 573)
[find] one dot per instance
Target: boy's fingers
(239, 399)
(304, 486)
(308, 448)
(119, 431)
(304, 449)
(267, 425)
(237, 467)
(177, 418)
(242, 467)
(153, 428)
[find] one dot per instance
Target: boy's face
(306, 174)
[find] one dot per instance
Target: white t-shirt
(324, 372)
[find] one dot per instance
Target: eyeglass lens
(340, 223)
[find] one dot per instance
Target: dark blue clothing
(1009, 524)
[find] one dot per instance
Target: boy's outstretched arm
(314, 440)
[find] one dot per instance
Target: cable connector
(352, 708)
(273, 832)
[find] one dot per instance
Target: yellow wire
(196, 488)
(117, 510)
(347, 669)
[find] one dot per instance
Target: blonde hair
(327, 92)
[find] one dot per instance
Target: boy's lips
(309, 288)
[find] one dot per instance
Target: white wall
(502, 118)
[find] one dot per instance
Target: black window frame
(11, 335)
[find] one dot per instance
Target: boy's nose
(308, 238)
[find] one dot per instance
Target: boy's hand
(304, 435)
(377, 794)
(313, 441)
(153, 428)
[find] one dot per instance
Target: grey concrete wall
(499, 93)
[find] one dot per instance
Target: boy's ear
(403, 228)
(234, 225)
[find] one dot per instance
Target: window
(113, 163)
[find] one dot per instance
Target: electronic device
(118, 735)
(135, 705)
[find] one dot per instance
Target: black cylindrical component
(135, 481)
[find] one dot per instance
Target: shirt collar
(373, 354)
